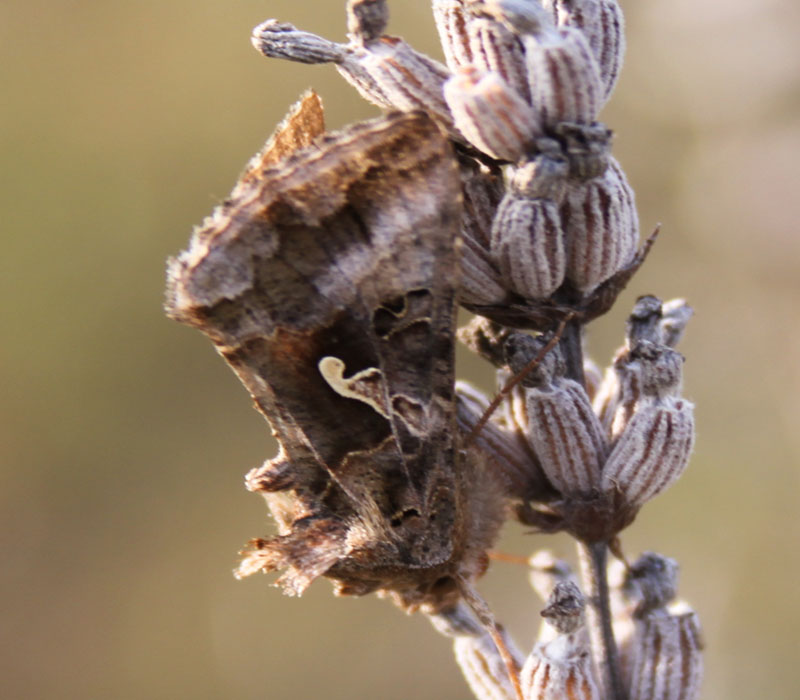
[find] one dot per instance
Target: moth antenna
(485, 616)
(516, 379)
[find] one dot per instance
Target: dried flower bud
(667, 661)
(276, 39)
(484, 668)
(366, 20)
(646, 371)
(527, 240)
(603, 25)
(562, 667)
(481, 281)
(562, 428)
(507, 451)
(482, 190)
(601, 226)
(586, 147)
(675, 317)
(647, 326)
(476, 653)
(563, 76)
(542, 177)
(495, 48)
(644, 322)
(451, 19)
(652, 451)
(490, 114)
(565, 607)
(652, 580)
(528, 246)
(398, 76)
(385, 70)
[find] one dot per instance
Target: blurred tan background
(124, 439)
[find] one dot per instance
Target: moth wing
(328, 284)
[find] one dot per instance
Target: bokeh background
(124, 439)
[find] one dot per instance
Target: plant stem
(594, 560)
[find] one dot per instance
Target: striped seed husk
(601, 227)
(451, 19)
(667, 661)
(491, 114)
(496, 48)
(603, 24)
(652, 451)
(563, 76)
(566, 436)
(528, 245)
(559, 669)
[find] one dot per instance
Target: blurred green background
(124, 439)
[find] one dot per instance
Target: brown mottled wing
(328, 283)
(302, 125)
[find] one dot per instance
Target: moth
(328, 281)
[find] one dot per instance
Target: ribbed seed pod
(495, 48)
(653, 450)
(545, 573)
(405, 79)
(603, 25)
(563, 77)
(483, 668)
(509, 454)
(451, 19)
(476, 653)
(490, 114)
(481, 281)
(527, 240)
(562, 667)
(562, 428)
(601, 226)
(667, 661)
(528, 246)
(385, 70)
(275, 39)
(650, 325)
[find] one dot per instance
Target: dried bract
(653, 449)
(492, 115)
(562, 428)
(527, 241)
(276, 39)
(496, 48)
(601, 226)
(603, 24)
(476, 653)
(451, 19)
(563, 76)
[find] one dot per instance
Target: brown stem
(594, 561)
